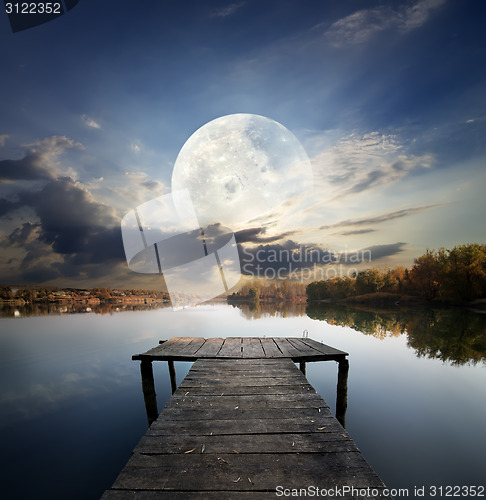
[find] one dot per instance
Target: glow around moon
(239, 167)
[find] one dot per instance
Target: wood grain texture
(192, 348)
(236, 428)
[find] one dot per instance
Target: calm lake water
(71, 404)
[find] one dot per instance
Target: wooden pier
(243, 423)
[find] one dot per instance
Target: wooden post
(342, 391)
(302, 368)
(148, 388)
(172, 373)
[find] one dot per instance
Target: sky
(387, 98)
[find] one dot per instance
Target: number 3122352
(33, 8)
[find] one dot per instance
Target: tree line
(271, 291)
(457, 275)
(40, 294)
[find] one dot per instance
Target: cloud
(89, 122)
(359, 162)
(74, 235)
(227, 11)
(378, 219)
(282, 259)
(380, 251)
(3, 139)
(7, 206)
(139, 188)
(362, 25)
(40, 161)
(23, 235)
(71, 235)
(358, 231)
(255, 235)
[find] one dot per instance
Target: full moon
(239, 167)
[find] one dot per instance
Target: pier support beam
(148, 388)
(342, 391)
(302, 367)
(172, 374)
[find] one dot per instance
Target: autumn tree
(6, 293)
(427, 273)
(465, 273)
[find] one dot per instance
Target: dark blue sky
(388, 98)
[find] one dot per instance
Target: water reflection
(456, 336)
(453, 335)
(52, 308)
(258, 310)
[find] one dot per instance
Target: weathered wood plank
(304, 349)
(188, 348)
(232, 347)
(270, 348)
(209, 472)
(252, 381)
(286, 347)
(243, 390)
(169, 348)
(228, 363)
(215, 376)
(174, 342)
(243, 421)
(192, 347)
(210, 348)
(248, 402)
(252, 348)
(202, 427)
(323, 348)
(215, 372)
(315, 442)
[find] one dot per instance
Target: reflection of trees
(41, 309)
(380, 324)
(453, 335)
(457, 336)
(257, 310)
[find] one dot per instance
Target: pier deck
(192, 348)
(244, 422)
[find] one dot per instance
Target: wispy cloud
(257, 235)
(398, 214)
(139, 188)
(362, 25)
(90, 122)
(227, 11)
(357, 231)
(3, 139)
(381, 251)
(359, 162)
